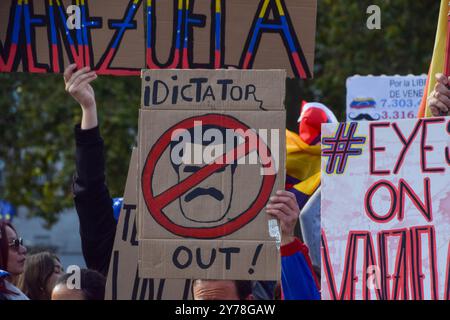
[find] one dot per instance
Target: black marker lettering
(228, 252)
(224, 84)
(176, 255)
(156, 93)
(198, 90)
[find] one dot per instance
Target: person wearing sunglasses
(12, 262)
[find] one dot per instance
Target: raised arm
(78, 85)
(91, 196)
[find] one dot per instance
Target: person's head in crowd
(312, 116)
(12, 262)
(42, 271)
(90, 286)
(12, 250)
(222, 290)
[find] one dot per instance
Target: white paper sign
(384, 97)
(386, 210)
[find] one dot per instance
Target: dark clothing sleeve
(92, 200)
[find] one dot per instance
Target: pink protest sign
(386, 210)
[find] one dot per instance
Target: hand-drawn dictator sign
(222, 123)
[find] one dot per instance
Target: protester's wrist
(89, 106)
(287, 239)
(89, 118)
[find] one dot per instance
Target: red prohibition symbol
(156, 203)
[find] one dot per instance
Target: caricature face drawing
(216, 191)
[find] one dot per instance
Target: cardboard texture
(123, 281)
(199, 217)
(120, 37)
(47, 45)
(224, 89)
(386, 237)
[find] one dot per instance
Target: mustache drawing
(363, 116)
(197, 192)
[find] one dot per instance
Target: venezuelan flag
(303, 152)
(302, 168)
(439, 62)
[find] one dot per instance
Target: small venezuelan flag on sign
(440, 60)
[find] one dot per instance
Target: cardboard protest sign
(123, 282)
(386, 210)
(120, 37)
(46, 36)
(206, 174)
(384, 97)
(212, 89)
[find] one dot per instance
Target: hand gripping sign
(205, 178)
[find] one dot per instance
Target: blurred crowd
(41, 276)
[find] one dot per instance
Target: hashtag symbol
(338, 148)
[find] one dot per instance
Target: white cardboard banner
(386, 210)
(384, 97)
